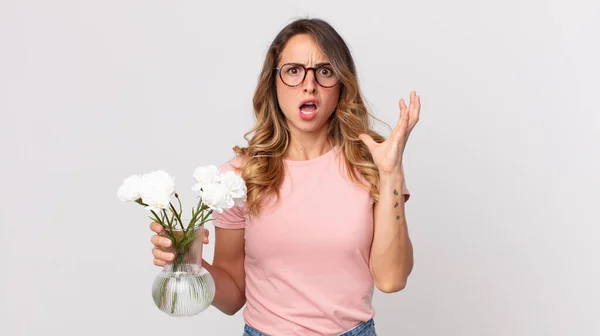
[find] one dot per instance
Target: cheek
(332, 98)
(285, 98)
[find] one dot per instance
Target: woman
(324, 217)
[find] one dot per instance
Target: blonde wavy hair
(262, 160)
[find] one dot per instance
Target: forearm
(391, 252)
(229, 298)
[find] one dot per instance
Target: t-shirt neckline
(324, 156)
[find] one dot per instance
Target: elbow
(392, 280)
(232, 310)
(391, 283)
(391, 286)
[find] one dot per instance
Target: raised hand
(388, 154)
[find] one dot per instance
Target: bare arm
(391, 259)
(392, 251)
(228, 270)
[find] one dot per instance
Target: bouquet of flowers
(184, 287)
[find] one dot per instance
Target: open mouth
(308, 108)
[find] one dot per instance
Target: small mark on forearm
(396, 205)
(398, 217)
(395, 192)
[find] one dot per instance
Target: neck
(307, 146)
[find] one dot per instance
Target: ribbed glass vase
(183, 287)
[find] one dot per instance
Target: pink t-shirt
(307, 258)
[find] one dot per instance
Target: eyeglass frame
(306, 69)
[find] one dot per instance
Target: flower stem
(180, 206)
(176, 214)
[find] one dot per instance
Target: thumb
(205, 237)
(367, 140)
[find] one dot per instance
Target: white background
(503, 166)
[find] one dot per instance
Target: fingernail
(167, 242)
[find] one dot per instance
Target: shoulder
(235, 164)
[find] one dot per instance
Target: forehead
(302, 48)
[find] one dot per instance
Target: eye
(293, 70)
(326, 71)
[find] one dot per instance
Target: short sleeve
(231, 218)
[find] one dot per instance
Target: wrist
(391, 176)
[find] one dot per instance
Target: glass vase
(183, 287)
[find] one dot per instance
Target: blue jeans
(363, 329)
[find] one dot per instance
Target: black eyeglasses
(293, 74)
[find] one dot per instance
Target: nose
(310, 82)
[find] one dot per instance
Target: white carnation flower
(217, 197)
(158, 187)
(205, 175)
(236, 186)
(130, 190)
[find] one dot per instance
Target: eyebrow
(316, 65)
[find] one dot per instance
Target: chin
(313, 127)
